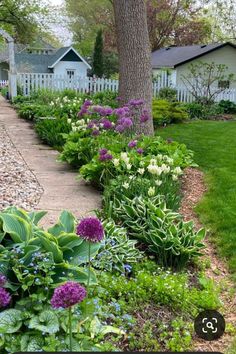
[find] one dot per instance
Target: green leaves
(16, 227)
(47, 322)
(10, 321)
(96, 328)
(66, 224)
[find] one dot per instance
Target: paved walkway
(61, 190)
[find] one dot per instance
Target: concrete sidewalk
(58, 180)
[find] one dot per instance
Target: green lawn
(214, 145)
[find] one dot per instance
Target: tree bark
(135, 71)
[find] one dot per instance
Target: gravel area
(18, 185)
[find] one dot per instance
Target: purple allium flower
(107, 124)
(87, 103)
(120, 128)
(90, 229)
(5, 298)
(102, 151)
(140, 151)
(95, 132)
(106, 111)
(122, 111)
(145, 116)
(126, 122)
(132, 143)
(67, 295)
(105, 157)
(82, 111)
(136, 102)
(3, 280)
(97, 109)
(118, 98)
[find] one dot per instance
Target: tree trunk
(135, 71)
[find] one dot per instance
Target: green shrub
(51, 131)
(228, 107)
(173, 241)
(168, 93)
(165, 112)
(203, 111)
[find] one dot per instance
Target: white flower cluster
(79, 125)
(60, 102)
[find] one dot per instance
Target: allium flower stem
(89, 267)
(70, 327)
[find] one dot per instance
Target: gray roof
(173, 56)
(37, 63)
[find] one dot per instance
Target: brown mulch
(193, 188)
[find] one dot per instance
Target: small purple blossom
(105, 157)
(136, 102)
(145, 116)
(106, 111)
(119, 98)
(120, 128)
(3, 280)
(106, 123)
(132, 143)
(102, 151)
(122, 111)
(140, 151)
(90, 229)
(5, 298)
(67, 295)
(126, 122)
(95, 132)
(87, 103)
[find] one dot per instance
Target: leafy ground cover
(214, 149)
(140, 272)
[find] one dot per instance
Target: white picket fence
(3, 83)
(30, 82)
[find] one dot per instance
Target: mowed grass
(214, 145)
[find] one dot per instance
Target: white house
(176, 60)
(65, 61)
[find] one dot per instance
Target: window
(223, 84)
(70, 73)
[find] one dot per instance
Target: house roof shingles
(173, 56)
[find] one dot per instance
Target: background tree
(206, 81)
(23, 19)
(176, 22)
(135, 72)
(98, 64)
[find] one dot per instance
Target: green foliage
(165, 112)
(32, 258)
(116, 250)
(51, 131)
(198, 110)
(228, 106)
(98, 63)
(168, 93)
(173, 241)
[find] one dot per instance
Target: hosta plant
(173, 241)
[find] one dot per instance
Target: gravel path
(18, 185)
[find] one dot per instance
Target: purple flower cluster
(135, 103)
(106, 123)
(5, 298)
(90, 229)
(145, 116)
(84, 109)
(104, 155)
(67, 295)
(140, 151)
(103, 111)
(122, 111)
(132, 143)
(123, 124)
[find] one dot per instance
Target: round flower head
(102, 151)
(90, 229)
(140, 151)
(3, 280)
(67, 295)
(5, 298)
(132, 143)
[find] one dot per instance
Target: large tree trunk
(135, 71)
